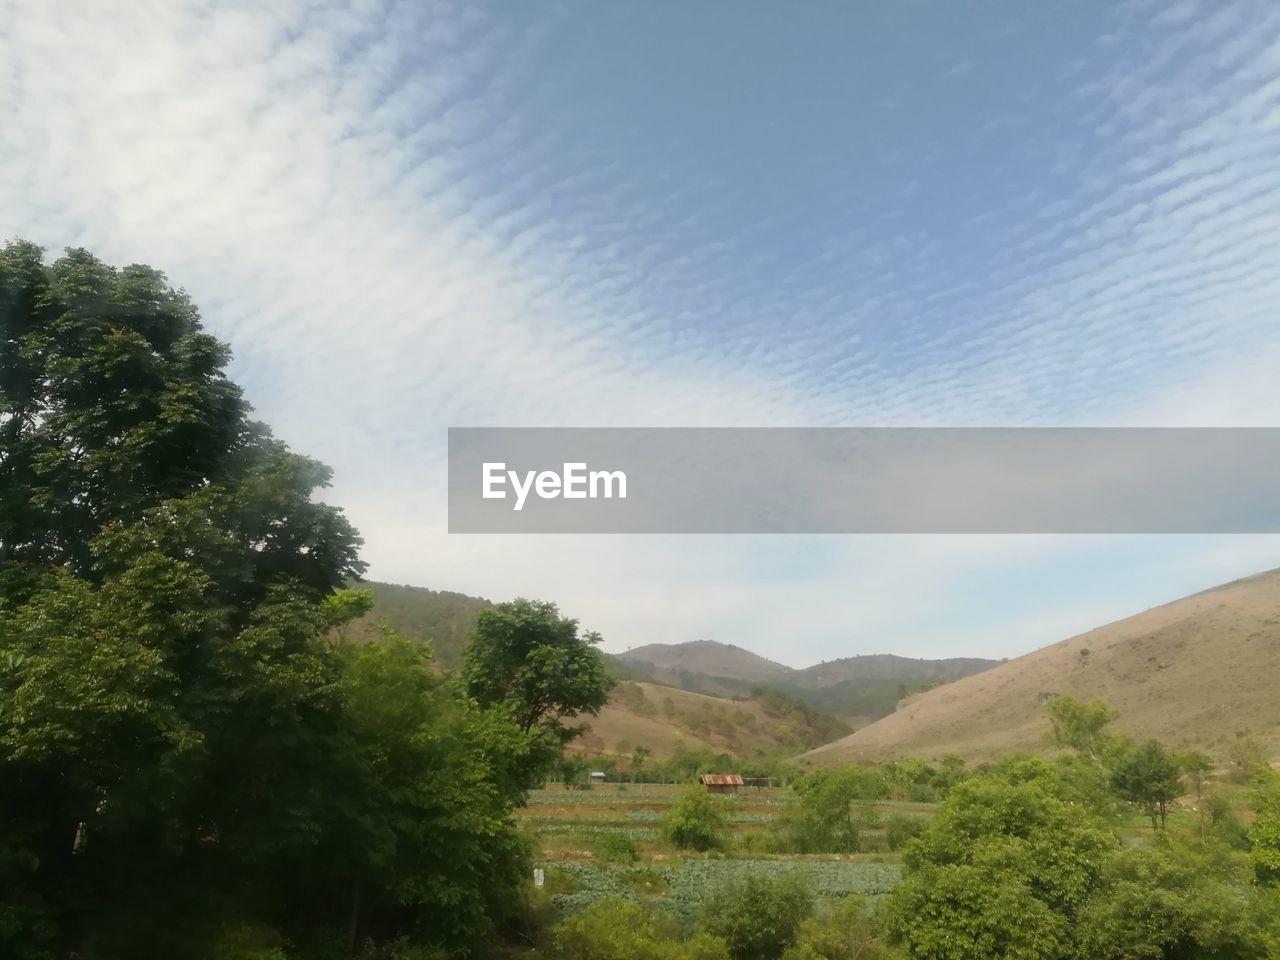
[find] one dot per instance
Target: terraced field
(569, 823)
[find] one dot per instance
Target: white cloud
(392, 250)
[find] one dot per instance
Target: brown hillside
(666, 719)
(1190, 673)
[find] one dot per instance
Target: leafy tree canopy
(525, 654)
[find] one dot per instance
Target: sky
(410, 216)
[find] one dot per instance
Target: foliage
(1223, 824)
(823, 821)
(1264, 832)
(619, 929)
(844, 931)
(996, 850)
(1079, 725)
(614, 846)
(1171, 900)
(1148, 776)
(696, 821)
(439, 617)
(529, 660)
(758, 915)
(193, 764)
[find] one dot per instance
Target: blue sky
(411, 216)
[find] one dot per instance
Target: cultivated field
(569, 824)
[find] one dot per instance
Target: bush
(696, 820)
(899, 828)
(617, 929)
(614, 848)
(758, 915)
(844, 932)
(247, 943)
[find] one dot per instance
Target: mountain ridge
(1187, 672)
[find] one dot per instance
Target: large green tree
(1147, 775)
(527, 658)
(186, 751)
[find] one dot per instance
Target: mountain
(708, 658)
(863, 687)
(662, 718)
(1192, 673)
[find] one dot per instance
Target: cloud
(409, 216)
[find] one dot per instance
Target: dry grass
(619, 724)
(1190, 673)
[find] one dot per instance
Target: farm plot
(570, 825)
(681, 886)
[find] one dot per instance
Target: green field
(568, 823)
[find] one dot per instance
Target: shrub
(899, 828)
(247, 943)
(758, 915)
(696, 820)
(618, 929)
(614, 848)
(843, 932)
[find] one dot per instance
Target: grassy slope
(1190, 673)
(669, 719)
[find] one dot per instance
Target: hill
(662, 718)
(439, 617)
(862, 688)
(667, 719)
(1191, 673)
(708, 658)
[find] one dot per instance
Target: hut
(721, 782)
(597, 776)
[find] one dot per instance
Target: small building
(721, 782)
(597, 776)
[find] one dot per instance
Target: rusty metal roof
(720, 780)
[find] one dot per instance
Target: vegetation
(759, 915)
(696, 820)
(193, 765)
(208, 753)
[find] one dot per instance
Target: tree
(192, 761)
(996, 851)
(639, 757)
(846, 931)
(1264, 832)
(165, 561)
(1171, 900)
(696, 819)
(1148, 776)
(823, 820)
(758, 915)
(618, 929)
(1080, 726)
(1196, 767)
(526, 655)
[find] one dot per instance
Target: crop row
(595, 830)
(689, 881)
(590, 797)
